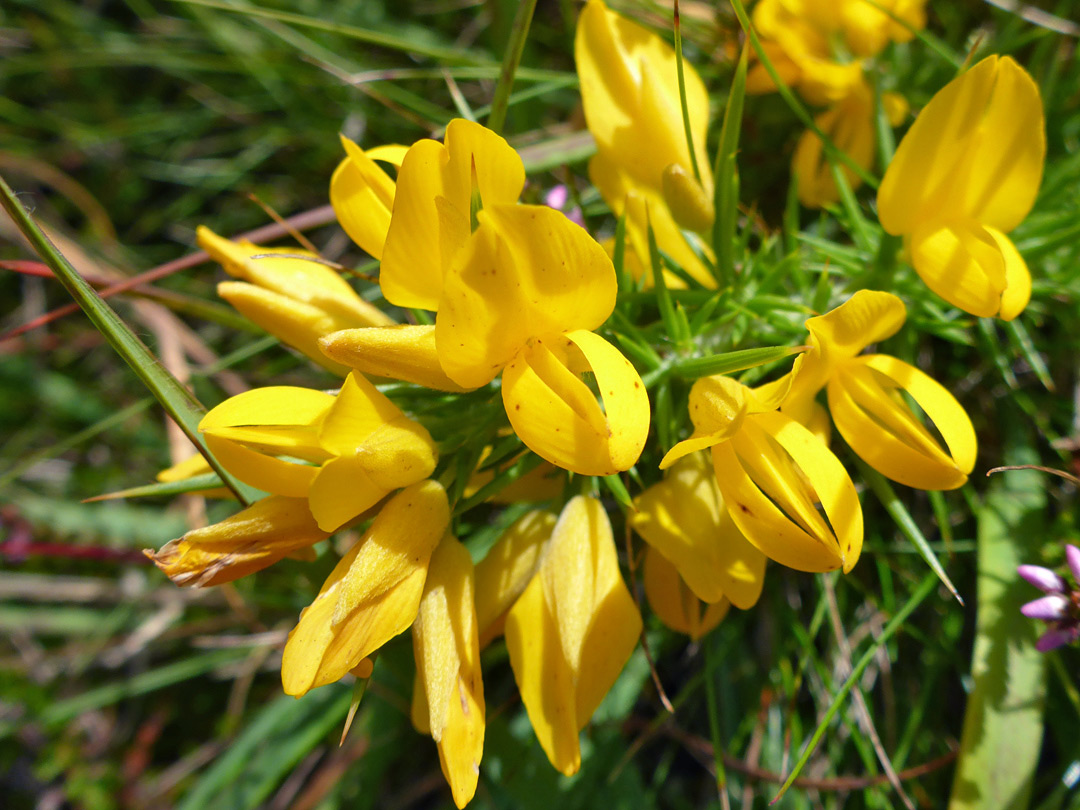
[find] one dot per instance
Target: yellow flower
(849, 123)
(362, 194)
(372, 594)
(773, 472)
(967, 172)
(571, 631)
(447, 651)
(521, 297)
(818, 46)
(684, 518)
(630, 92)
(673, 601)
(797, 36)
(867, 396)
(192, 467)
(247, 542)
(298, 300)
(343, 453)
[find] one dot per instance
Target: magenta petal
(557, 197)
(1048, 608)
(1054, 638)
(1072, 554)
(1042, 578)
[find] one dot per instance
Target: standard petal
(507, 569)
(630, 93)
(976, 150)
(403, 352)
(674, 602)
(432, 204)
(372, 594)
(962, 262)
(447, 652)
(527, 271)
(363, 197)
(249, 541)
(357, 412)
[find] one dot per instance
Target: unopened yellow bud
(687, 200)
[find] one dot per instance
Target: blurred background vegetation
(124, 124)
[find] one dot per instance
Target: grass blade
(726, 200)
(519, 32)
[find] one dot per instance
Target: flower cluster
(512, 301)
(1060, 608)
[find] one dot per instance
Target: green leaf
(726, 200)
(1003, 722)
(163, 489)
(730, 362)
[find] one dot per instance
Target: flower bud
(687, 200)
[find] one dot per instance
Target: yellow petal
(502, 575)
(402, 352)
(718, 405)
(1017, 277)
(544, 679)
(527, 271)
(850, 125)
(357, 412)
(674, 602)
(557, 416)
(880, 428)
(962, 262)
(296, 274)
(770, 529)
(341, 489)
(975, 151)
(246, 431)
(292, 322)
(572, 630)
(363, 197)
(869, 316)
(247, 542)
(372, 594)
(684, 518)
(432, 204)
(643, 206)
(630, 93)
(445, 644)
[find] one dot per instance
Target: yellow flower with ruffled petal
(373, 593)
(630, 92)
(867, 396)
(572, 630)
(447, 651)
(290, 294)
(684, 518)
(521, 298)
(966, 173)
(343, 453)
(773, 472)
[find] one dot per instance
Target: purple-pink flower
(1060, 608)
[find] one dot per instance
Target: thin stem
(519, 32)
(682, 94)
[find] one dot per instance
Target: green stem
(519, 32)
(682, 94)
